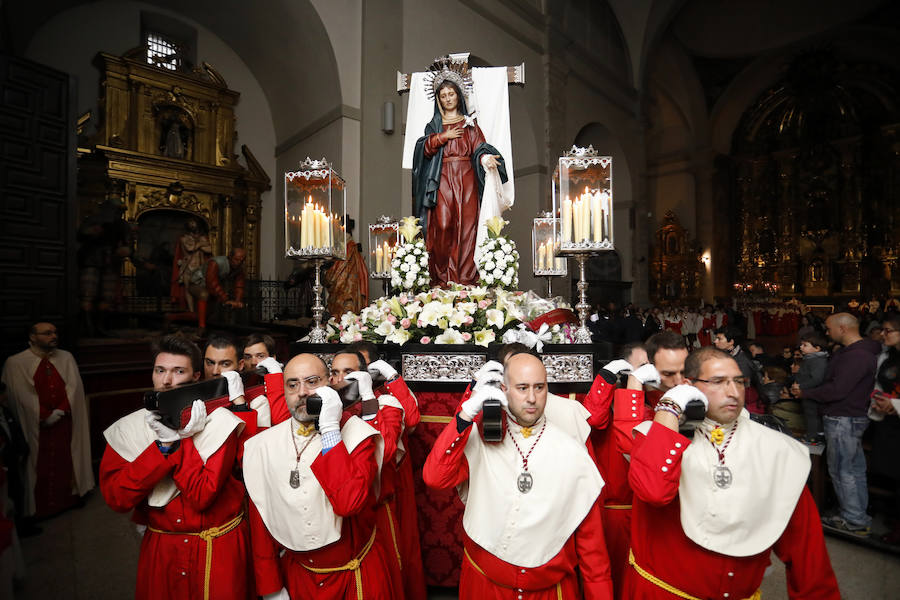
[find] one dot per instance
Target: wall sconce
(387, 118)
(706, 260)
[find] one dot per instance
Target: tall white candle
(567, 220)
(379, 259)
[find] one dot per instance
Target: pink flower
(405, 323)
(357, 337)
(425, 340)
(391, 319)
(466, 336)
(403, 299)
(434, 295)
(363, 328)
(463, 294)
(483, 304)
(469, 320)
(420, 323)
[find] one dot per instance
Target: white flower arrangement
(498, 262)
(409, 268)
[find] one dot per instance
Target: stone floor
(91, 554)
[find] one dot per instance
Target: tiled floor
(91, 554)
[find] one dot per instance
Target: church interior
(755, 146)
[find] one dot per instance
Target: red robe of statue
(450, 239)
(173, 561)
(662, 549)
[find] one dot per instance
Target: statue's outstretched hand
(490, 161)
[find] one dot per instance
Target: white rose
(489, 265)
(423, 261)
(404, 267)
(410, 259)
(506, 279)
(498, 254)
(489, 279)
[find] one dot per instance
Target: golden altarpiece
(815, 168)
(162, 155)
(675, 268)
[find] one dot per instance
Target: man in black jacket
(844, 402)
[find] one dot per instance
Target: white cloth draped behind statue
(489, 101)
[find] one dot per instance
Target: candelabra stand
(581, 255)
(317, 333)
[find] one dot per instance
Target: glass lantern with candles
(315, 202)
(384, 237)
(582, 199)
(544, 246)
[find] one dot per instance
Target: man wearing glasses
(312, 486)
(707, 512)
(47, 397)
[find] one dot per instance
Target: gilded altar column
(787, 238)
(852, 241)
(251, 233)
(228, 225)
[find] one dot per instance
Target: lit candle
(304, 226)
(597, 216)
(567, 220)
(379, 259)
(541, 254)
(606, 203)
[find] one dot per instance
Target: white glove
(197, 421)
(332, 409)
(235, 385)
(646, 374)
(54, 417)
(617, 366)
(488, 367)
(382, 368)
(164, 434)
(365, 384)
(281, 594)
(489, 378)
(684, 393)
(270, 364)
(472, 407)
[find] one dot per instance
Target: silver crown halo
(448, 68)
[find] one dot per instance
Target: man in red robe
(709, 511)
(404, 489)
(532, 522)
(47, 397)
(312, 486)
(181, 488)
(614, 414)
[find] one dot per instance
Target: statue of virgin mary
(459, 180)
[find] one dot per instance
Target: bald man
(844, 403)
(532, 522)
(312, 486)
(47, 396)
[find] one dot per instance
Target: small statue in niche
(174, 146)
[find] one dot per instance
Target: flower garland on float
(459, 314)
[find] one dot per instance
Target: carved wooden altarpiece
(164, 149)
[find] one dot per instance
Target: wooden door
(37, 202)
